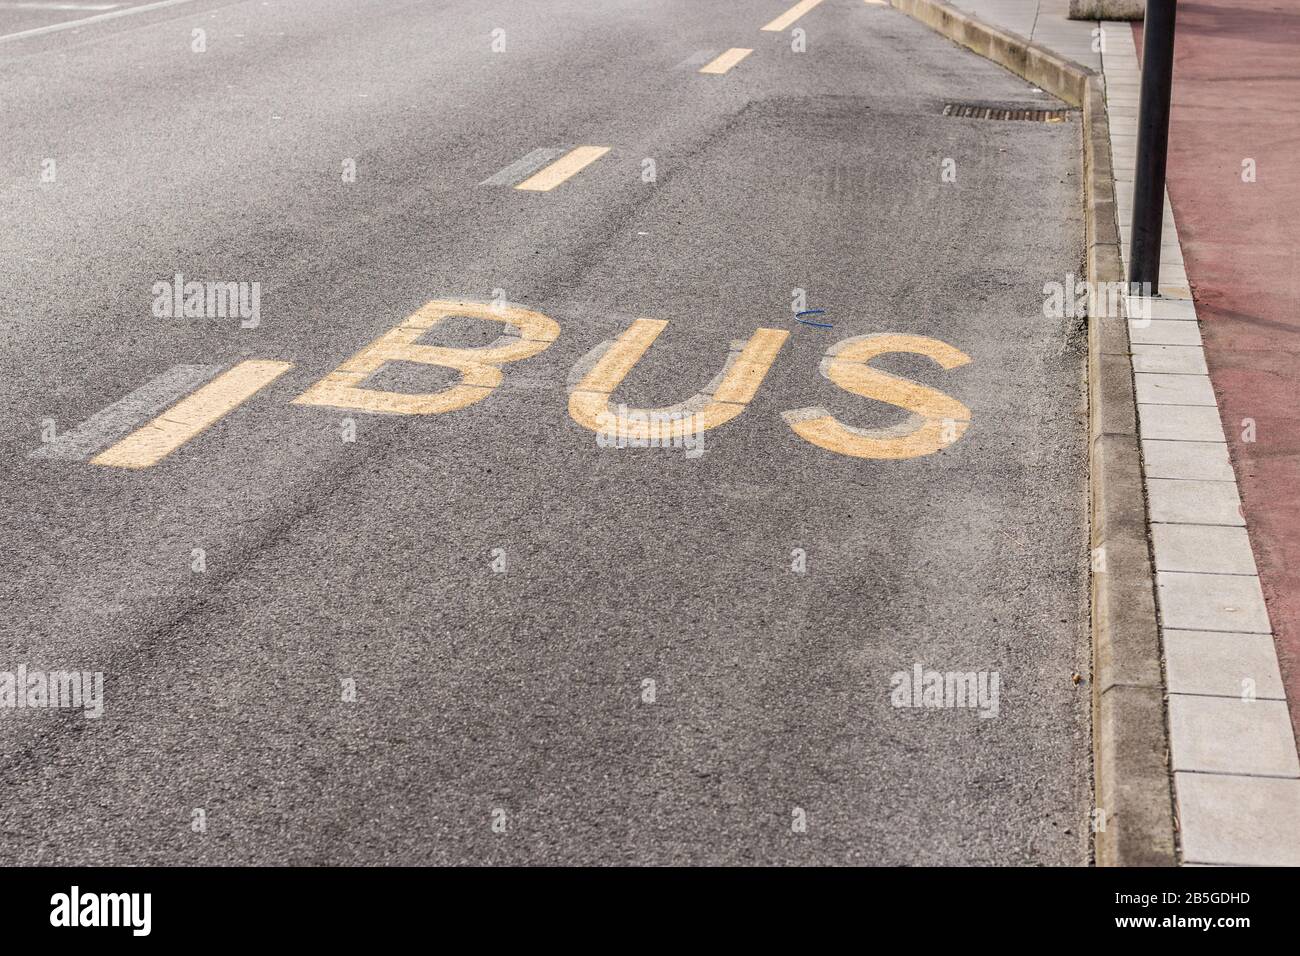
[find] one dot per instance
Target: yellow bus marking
(154, 441)
(791, 15)
(725, 61)
(479, 369)
(934, 422)
(568, 165)
(589, 403)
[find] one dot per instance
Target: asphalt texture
(519, 697)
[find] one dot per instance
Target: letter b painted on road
(479, 367)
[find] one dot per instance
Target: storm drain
(982, 111)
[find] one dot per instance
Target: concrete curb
(1130, 744)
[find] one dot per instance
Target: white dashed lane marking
(154, 441)
(726, 61)
(86, 21)
(119, 418)
(568, 166)
(56, 7)
(696, 60)
(526, 166)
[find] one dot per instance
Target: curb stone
(1130, 743)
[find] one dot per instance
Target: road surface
(469, 628)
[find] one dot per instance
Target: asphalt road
(505, 715)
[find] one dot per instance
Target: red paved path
(1237, 95)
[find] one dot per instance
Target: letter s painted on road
(936, 420)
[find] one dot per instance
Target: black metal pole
(1152, 143)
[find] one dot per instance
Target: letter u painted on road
(589, 403)
(479, 367)
(936, 420)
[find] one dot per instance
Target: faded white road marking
(119, 418)
(86, 21)
(520, 168)
(726, 61)
(151, 443)
(696, 60)
(59, 6)
(563, 169)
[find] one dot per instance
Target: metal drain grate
(978, 111)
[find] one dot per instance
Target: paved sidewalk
(1235, 187)
(1233, 751)
(1233, 754)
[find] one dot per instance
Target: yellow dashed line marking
(791, 15)
(726, 61)
(153, 442)
(563, 168)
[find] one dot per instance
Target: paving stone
(1231, 735)
(1172, 359)
(1204, 549)
(1180, 422)
(1164, 332)
(1194, 460)
(1177, 500)
(1212, 602)
(1239, 821)
(1215, 663)
(1155, 388)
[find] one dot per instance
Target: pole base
(1107, 9)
